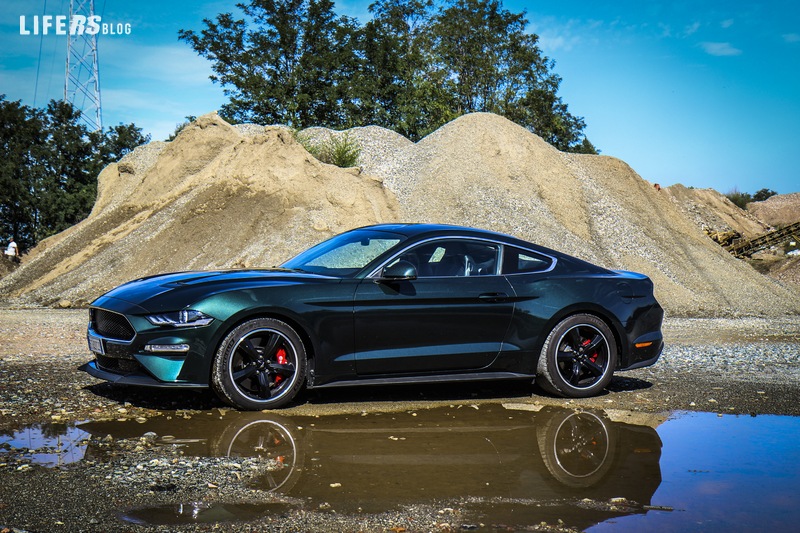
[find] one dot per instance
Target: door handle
(493, 297)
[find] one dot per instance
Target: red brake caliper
(281, 358)
(593, 357)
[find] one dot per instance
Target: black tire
(578, 357)
(261, 364)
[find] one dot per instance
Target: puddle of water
(202, 513)
(730, 473)
(497, 465)
(47, 445)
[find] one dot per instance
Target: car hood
(179, 289)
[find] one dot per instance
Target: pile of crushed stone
(779, 210)
(221, 196)
(713, 211)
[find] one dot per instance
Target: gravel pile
(713, 211)
(142, 158)
(485, 171)
(778, 210)
(221, 196)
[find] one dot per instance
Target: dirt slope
(711, 209)
(778, 210)
(486, 171)
(224, 196)
(212, 198)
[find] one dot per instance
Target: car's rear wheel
(578, 357)
(261, 364)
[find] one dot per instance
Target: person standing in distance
(12, 252)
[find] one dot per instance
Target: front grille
(111, 325)
(112, 364)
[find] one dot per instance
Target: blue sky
(704, 93)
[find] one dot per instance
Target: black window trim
(550, 268)
(376, 272)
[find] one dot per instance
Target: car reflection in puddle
(498, 465)
(495, 465)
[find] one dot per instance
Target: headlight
(187, 317)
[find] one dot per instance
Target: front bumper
(133, 378)
(129, 349)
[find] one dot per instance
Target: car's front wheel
(261, 364)
(578, 357)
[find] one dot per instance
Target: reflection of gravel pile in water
(222, 196)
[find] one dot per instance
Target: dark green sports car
(393, 303)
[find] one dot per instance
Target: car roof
(417, 230)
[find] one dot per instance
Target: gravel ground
(747, 365)
(739, 366)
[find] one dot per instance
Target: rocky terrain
(222, 196)
(779, 210)
(744, 366)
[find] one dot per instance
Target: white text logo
(77, 25)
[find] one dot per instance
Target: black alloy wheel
(260, 365)
(578, 358)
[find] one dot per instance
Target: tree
(49, 164)
(285, 63)
(21, 137)
(398, 87)
(740, 199)
(495, 66)
(412, 68)
(763, 194)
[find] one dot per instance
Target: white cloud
(555, 36)
(691, 29)
(720, 49)
(791, 37)
(727, 23)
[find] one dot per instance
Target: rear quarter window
(519, 261)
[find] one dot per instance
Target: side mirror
(399, 271)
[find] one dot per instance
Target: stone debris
(222, 196)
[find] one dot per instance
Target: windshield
(345, 254)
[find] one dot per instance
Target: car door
(452, 317)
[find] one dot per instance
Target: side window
(519, 261)
(450, 258)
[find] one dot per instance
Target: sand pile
(212, 198)
(223, 196)
(712, 210)
(778, 210)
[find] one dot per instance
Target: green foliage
(49, 164)
(741, 199)
(340, 150)
(180, 127)
(285, 61)
(415, 66)
(585, 147)
(763, 194)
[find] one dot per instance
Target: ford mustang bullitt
(383, 304)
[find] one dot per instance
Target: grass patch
(340, 150)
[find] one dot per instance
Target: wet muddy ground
(77, 454)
